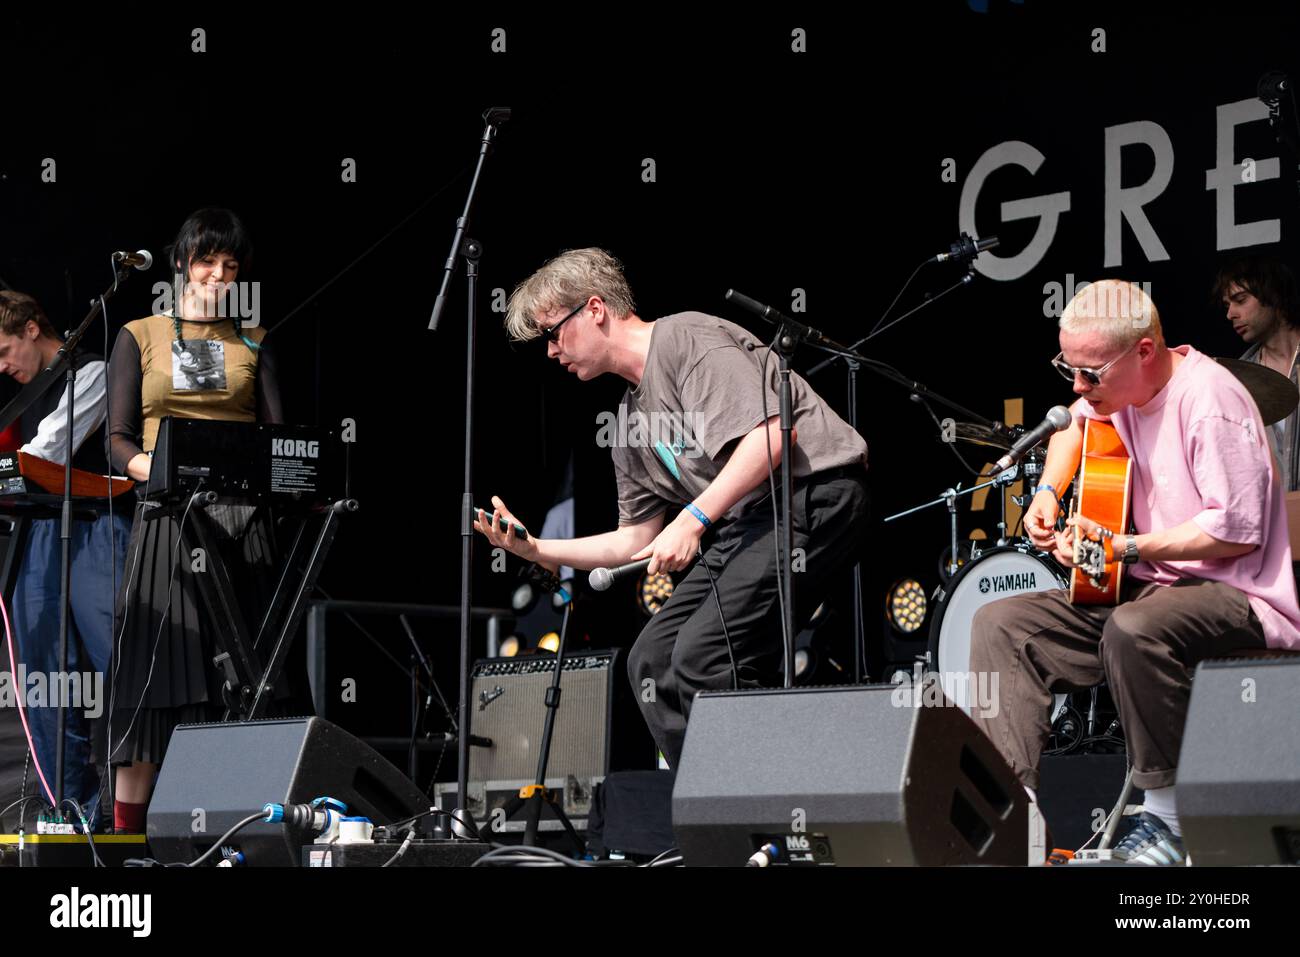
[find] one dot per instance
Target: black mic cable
(735, 675)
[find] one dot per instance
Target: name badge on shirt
(198, 365)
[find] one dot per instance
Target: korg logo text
(297, 447)
(1000, 583)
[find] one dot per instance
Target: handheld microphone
(966, 248)
(601, 579)
(1058, 420)
(141, 259)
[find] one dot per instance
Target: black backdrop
(775, 170)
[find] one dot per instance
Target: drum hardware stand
(536, 795)
(949, 498)
(854, 362)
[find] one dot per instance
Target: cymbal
(1274, 393)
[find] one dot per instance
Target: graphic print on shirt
(669, 457)
(198, 365)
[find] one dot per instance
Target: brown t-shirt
(214, 376)
(231, 395)
(699, 394)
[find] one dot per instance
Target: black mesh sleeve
(269, 409)
(126, 425)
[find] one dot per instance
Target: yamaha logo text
(1001, 583)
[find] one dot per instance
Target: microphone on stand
(141, 259)
(1058, 420)
(1271, 86)
(965, 249)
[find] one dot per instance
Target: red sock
(129, 818)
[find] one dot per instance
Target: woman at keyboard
(202, 359)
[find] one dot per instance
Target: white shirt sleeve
(88, 412)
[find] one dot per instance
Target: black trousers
(683, 650)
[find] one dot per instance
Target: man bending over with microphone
(701, 413)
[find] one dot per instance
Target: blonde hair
(1122, 312)
(570, 278)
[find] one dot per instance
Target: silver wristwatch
(1131, 551)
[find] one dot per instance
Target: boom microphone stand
(788, 336)
(920, 393)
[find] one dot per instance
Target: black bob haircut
(208, 231)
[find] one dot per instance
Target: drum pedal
(1092, 856)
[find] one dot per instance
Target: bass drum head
(998, 573)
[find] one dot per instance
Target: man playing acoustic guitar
(1207, 572)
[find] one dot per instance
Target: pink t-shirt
(1200, 453)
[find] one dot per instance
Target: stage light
(652, 591)
(549, 642)
(905, 607)
(523, 599)
(802, 659)
(510, 647)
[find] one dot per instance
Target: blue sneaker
(1151, 842)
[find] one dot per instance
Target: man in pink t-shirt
(1208, 565)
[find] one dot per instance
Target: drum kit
(973, 576)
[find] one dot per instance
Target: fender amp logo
(300, 448)
(1001, 583)
(485, 698)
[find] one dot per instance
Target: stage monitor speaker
(215, 775)
(863, 775)
(1238, 787)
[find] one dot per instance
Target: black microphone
(601, 578)
(965, 249)
(1272, 86)
(141, 259)
(777, 318)
(1058, 420)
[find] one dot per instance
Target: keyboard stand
(249, 682)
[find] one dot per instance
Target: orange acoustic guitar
(1101, 493)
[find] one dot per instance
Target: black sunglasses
(552, 333)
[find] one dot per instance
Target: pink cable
(22, 712)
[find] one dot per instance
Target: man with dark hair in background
(1263, 305)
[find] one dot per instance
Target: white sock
(1032, 795)
(1160, 802)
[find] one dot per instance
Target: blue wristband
(1051, 488)
(704, 519)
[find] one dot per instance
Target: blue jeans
(36, 609)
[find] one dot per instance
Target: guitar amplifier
(246, 461)
(508, 707)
